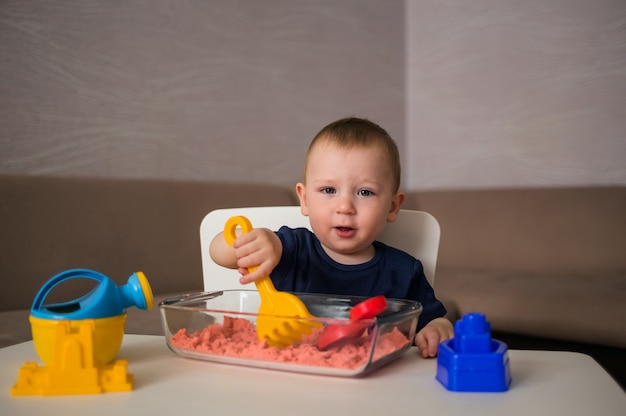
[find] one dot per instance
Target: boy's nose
(345, 205)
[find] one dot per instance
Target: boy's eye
(365, 192)
(328, 190)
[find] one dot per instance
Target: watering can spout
(137, 292)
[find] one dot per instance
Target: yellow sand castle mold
(78, 341)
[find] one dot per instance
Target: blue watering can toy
(79, 340)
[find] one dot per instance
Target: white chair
(416, 232)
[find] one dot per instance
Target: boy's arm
(259, 248)
(221, 253)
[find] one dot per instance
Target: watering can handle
(61, 277)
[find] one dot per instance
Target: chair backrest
(416, 232)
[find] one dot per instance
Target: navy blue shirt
(305, 267)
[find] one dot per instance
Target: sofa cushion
(15, 327)
(543, 229)
(579, 307)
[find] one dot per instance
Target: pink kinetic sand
(236, 337)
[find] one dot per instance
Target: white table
(544, 383)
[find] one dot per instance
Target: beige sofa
(539, 262)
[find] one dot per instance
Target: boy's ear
(301, 192)
(396, 204)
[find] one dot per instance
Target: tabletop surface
(544, 383)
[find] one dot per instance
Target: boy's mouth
(344, 232)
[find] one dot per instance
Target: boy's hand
(429, 338)
(260, 248)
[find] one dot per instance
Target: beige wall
(516, 93)
(206, 90)
(477, 93)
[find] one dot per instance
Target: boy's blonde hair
(359, 132)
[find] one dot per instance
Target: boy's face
(348, 195)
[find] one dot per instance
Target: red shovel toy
(334, 334)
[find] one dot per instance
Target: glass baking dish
(219, 327)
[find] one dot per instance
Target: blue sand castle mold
(472, 361)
